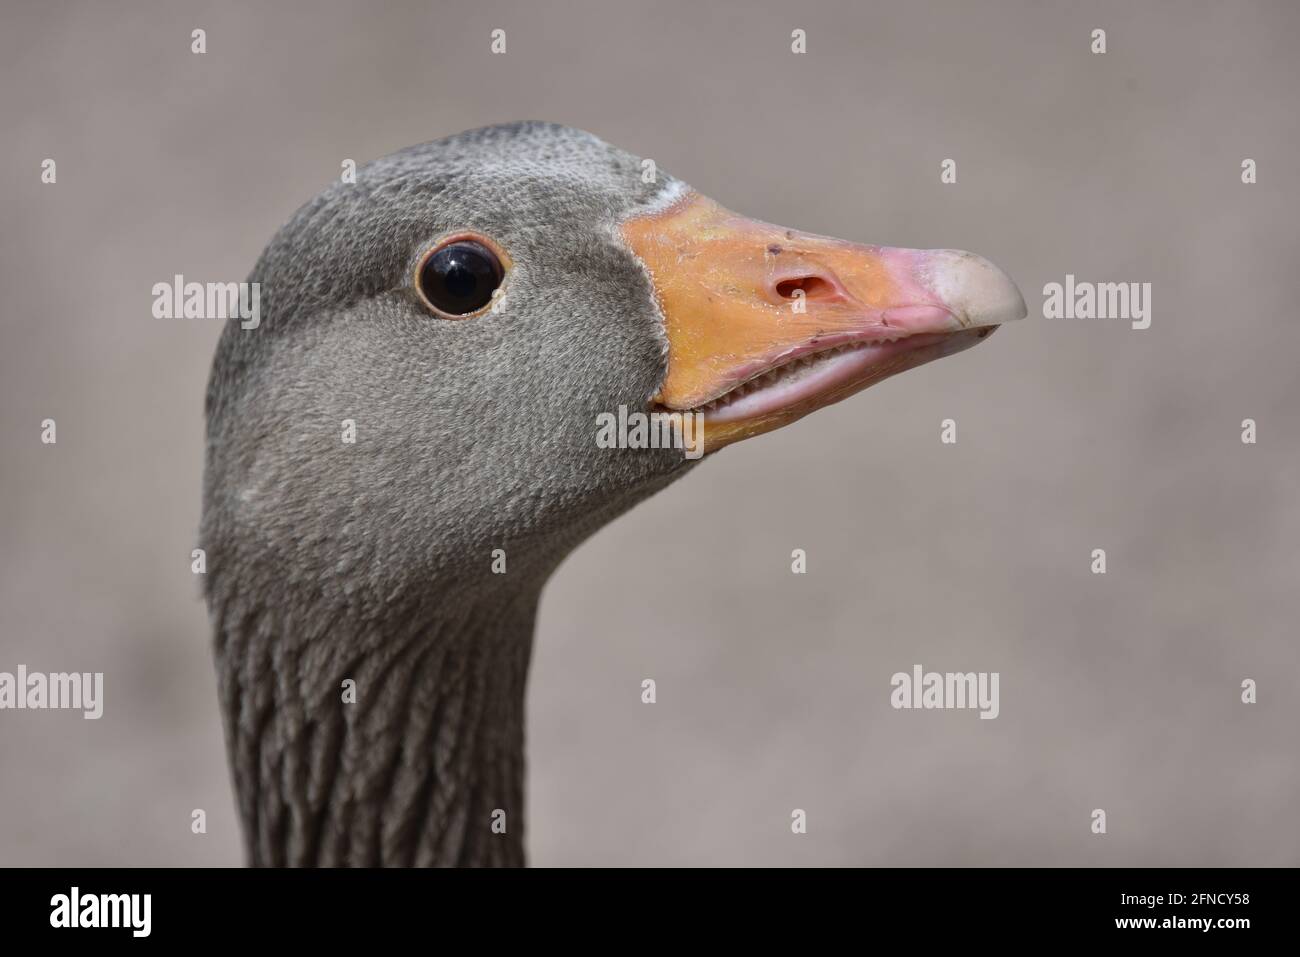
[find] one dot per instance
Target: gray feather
(372, 561)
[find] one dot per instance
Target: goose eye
(458, 278)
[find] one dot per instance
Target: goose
(402, 452)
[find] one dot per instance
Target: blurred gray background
(1119, 691)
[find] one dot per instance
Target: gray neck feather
(416, 771)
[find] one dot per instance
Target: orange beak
(767, 324)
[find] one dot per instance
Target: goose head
(407, 444)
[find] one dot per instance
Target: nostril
(813, 287)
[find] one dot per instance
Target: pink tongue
(827, 371)
(795, 385)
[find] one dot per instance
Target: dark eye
(459, 278)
